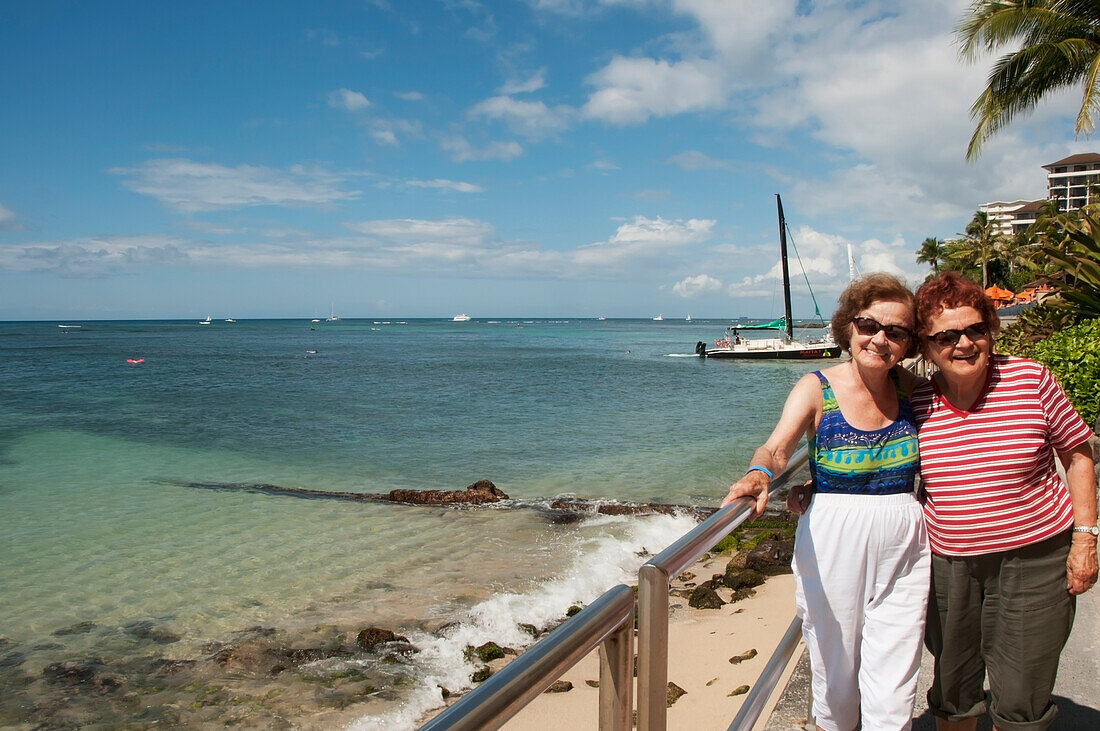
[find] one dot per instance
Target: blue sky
(420, 158)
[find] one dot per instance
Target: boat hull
(806, 353)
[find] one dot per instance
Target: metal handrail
(607, 623)
(762, 690)
(653, 586)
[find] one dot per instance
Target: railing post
(617, 678)
(652, 648)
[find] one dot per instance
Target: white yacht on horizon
(461, 317)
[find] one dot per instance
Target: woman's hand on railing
(753, 485)
(798, 499)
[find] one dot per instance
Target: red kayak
(135, 360)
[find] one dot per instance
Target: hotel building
(1073, 181)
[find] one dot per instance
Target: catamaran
(733, 345)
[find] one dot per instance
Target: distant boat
(207, 321)
(659, 318)
(687, 319)
(601, 318)
(230, 319)
(315, 320)
(461, 317)
(69, 327)
(332, 314)
(135, 361)
(785, 347)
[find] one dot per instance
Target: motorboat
(461, 317)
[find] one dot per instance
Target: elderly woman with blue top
(861, 558)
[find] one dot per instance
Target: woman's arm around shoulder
(800, 413)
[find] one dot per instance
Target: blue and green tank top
(844, 459)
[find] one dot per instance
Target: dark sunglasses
(870, 328)
(945, 338)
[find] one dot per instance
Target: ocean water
(103, 534)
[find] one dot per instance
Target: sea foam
(611, 553)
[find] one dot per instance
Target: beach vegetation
(1072, 354)
(980, 245)
(1052, 45)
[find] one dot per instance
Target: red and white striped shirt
(989, 472)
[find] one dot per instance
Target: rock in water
(369, 638)
(479, 493)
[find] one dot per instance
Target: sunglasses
(945, 338)
(870, 328)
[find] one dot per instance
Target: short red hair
(949, 290)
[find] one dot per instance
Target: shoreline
(715, 654)
(701, 643)
(328, 672)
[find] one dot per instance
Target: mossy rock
(489, 651)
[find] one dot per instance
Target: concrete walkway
(1076, 692)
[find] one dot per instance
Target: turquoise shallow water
(93, 451)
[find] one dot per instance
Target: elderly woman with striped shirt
(1011, 543)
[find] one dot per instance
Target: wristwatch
(1091, 529)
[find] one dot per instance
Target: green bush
(1073, 356)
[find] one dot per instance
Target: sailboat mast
(787, 322)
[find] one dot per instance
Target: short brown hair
(952, 289)
(859, 295)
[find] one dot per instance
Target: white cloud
(456, 186)
(698, 285)
(644, 237)
(524, 86)
(631, 90)
(92, 257)
(190, 186)
(695, 160)
(533, 120)
(386, 131)
(324, 35)
(462, 151)
(409, 96)
(347, 99)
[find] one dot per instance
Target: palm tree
(979, 245)
(1058, 44)
(1080, 258)
(932, 251)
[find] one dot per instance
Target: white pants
(861, 567)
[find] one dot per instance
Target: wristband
(765, 470)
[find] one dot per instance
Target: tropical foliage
(1078, 254)
(1072, 355)
(932, 252)
(1052, 44)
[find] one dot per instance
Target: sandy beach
(701, 643)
